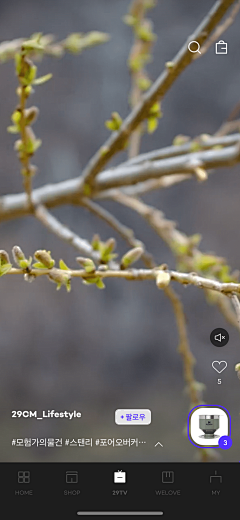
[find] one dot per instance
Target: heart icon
(219, 366)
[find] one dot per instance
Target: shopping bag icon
(119, 477)
(221, 47)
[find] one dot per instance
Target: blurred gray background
(90, 350)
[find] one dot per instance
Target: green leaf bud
(131, 257)
(95, 38)
(5, 265)
(195, 146)
(4, 258)
(32, 45)
(203, 262)
(63, 266)
(18, 255)
(205, 137)
(87, 264)
(94, 281)
(170, 65)
(115, 123)
(144, 83)
(76, 42)
(20, 259)
(12, 129)
(180, 139)
(155, 110)
(109, 246)
(152, 124)
(237, 369)
(106, 249)
(144, 31)
(16, 117)
(27, 73)
(100, 284)
(4, 269)
(44, 257)
(18, 145)
(32, 143)
(96, 242)
(130, 20)
(60, 278)
(30, 115)
(42, 79)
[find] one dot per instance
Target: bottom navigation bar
(75, 489)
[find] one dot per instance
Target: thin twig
(64, 233)
(50, 47)
(126, 233)
(148, 274)
(224, 305)
(228, 127)
(144, 187)
(165, 228)
(184, 347)
(135, 94)
(236, 305)
(207, 159)
(203, 142)
(25, 160)
(157, 91)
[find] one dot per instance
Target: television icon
(120, 477)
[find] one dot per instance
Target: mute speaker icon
(219, 337)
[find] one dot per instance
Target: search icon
(197, 49)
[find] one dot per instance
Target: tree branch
(204, 143)
(138, 48)
(126, 233)
(184, 347)
(187, 164)
(74, 43)
(224, 305)
(167, 231)
(64, 233)
(165, 228)
(236, 305)
(146, 274)
(157, 91)
(147, 175)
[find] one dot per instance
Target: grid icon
(23, 477)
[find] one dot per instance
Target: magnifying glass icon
(195, 50)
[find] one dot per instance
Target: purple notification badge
(225, 442)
